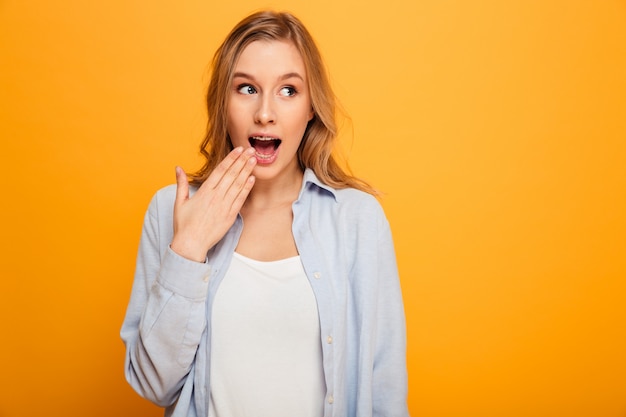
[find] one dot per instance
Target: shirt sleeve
(166, 314)
(389, 377)
(380, 316)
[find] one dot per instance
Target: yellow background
(497, 130)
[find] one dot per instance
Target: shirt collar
(311, 178)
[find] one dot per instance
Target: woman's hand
(202, 220)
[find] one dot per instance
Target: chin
(268, 172)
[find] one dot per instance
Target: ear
(311, 114)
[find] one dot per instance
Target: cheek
(303, 113)
(233, 120)
(298, 124)
(233, 111)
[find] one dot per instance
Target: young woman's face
(269, 106)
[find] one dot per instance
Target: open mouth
(264, 146)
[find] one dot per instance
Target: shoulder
(168, 193)
(359, 202)
(351, 211)
(361, 211)
(342, 198)
(352, 196)
(163, 200)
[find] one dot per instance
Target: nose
(265, 113)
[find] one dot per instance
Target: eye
(287, 91)
(246, 89)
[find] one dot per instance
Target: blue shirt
(345, 246)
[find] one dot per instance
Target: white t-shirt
(266, 356)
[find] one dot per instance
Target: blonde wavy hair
(317, 148)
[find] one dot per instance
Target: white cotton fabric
(266, 356)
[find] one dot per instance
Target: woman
(266, 285)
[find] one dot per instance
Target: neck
(276, 191)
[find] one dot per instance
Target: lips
(265, 147)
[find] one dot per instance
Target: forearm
(163, 334)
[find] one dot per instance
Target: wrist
(189, 252)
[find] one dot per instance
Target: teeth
(263, 144)
(261, 156)
(263, 138)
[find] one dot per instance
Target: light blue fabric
(345, 245)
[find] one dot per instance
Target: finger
(221, 168)
(237, 173)
(242, 195)
(241, 180)
(182, 186)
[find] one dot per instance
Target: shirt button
(329, 340)
(331, 399)
(206, 278)
(317, 275)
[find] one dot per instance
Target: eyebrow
(281, 78)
